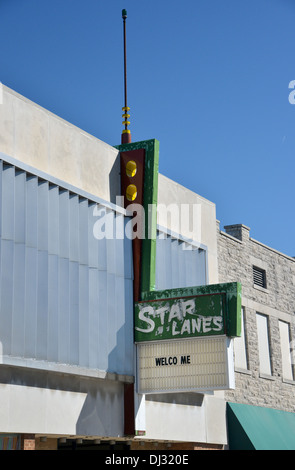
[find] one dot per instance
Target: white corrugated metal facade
(179, 262)
(66, 297)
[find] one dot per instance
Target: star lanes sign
(189, 316)
(179, 318)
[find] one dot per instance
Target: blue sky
(207, 78)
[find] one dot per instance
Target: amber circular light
(131, 192)
(131, 168)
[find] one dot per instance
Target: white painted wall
(186, 417)
(43, 140)
(45, 403)
(171, 193)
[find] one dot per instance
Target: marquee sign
(201, 364)
(180, 318)
(212, 310)
(184, 336)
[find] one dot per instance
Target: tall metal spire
(126, 134)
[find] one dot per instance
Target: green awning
(259, 428)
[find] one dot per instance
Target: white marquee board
(196, 364)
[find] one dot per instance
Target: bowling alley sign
(183, 338)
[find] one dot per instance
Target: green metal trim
(234, 309)
(150, 197)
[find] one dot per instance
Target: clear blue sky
(207, 78)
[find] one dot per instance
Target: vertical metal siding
(65, 296)
(179, 263)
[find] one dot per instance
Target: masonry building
(264, 362)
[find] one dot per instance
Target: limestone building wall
(238, 253)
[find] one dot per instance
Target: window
(241, 361)
(287, 367)
(263, 344)
(259, 277)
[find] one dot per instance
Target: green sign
(213, 310)
(179, 318)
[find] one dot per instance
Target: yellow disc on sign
(131, 168)
(131, 192)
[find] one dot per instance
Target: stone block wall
(237, 253)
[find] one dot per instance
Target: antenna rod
(126, 135)
(124, 16)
